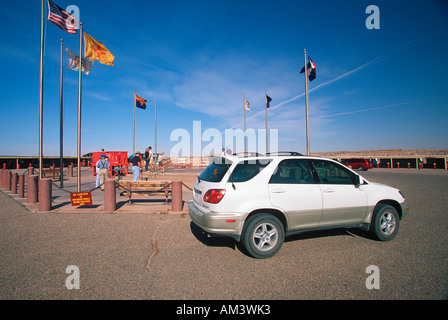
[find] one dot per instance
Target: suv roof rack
(285, 153)
(247, 154)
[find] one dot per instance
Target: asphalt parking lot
(142, 255)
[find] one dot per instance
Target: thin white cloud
(348, 73)
(371, 109)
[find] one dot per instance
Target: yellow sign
(81, 198)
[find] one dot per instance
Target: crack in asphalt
(155, 248)
(155, 245)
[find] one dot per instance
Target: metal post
(155, 125)
(41, 86)
(61, 118)
(79, 107)
(306, 108)
(245, 141)
(133, 134)
(266, 114)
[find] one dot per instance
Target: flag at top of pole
(95, 50)
(268, 101)
(73, 62)
(140, 102)
(246, 105)
(61, 18)
(311, 68)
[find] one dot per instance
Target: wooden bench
(144, 189)
(52, 172)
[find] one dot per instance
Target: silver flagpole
(61, 120)
(245, 141)
(41, 86)
(155, 125)
(133, 132)
(79, 106)
(266, 112)
(306, 108)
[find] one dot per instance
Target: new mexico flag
(97, 51)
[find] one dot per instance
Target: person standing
(150, 155)
(149, 161)
(161, 162)
(136, 165)
(103, 165)
(98, 179)
(146, 159)
(97, 171)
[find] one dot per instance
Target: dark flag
(311, 67)
(140, 102)
(268, 100)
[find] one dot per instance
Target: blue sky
(375, 89)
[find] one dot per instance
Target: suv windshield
(214, 171)
(246, 170)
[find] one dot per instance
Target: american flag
(61, 18)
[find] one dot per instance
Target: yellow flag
(97, 51)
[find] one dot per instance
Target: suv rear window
(246, 170)
(214, 172)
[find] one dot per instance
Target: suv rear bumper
(222, 224)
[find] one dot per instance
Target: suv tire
(385, 222)
(263, 235)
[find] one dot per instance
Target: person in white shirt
(103, 165)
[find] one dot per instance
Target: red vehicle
(360, 164)
(117, 159)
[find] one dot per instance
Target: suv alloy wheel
(385, 222)
(263, 235)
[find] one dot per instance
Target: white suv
(258, 200)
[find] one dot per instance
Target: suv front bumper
(405, 208)
(220, 224)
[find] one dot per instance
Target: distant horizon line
(371, 152)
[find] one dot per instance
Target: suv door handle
(278, 190)
(328, 190)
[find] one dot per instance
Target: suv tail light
(214, 195)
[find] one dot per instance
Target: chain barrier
(191, 189)
(68, 191)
